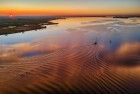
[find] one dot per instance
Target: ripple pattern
(79, 70)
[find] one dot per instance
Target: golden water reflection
(85, 59)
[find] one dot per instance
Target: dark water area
(77, 56)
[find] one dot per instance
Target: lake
(82, 55)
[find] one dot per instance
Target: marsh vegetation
(20, 24)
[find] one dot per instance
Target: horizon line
(121, 15)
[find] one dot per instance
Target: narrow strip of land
(22, 24)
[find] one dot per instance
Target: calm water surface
(102, 54)
(71, 32)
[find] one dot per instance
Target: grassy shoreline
(22, 24)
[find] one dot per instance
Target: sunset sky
(69, 7)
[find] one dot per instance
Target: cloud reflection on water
(66, 57)
(78, 32)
